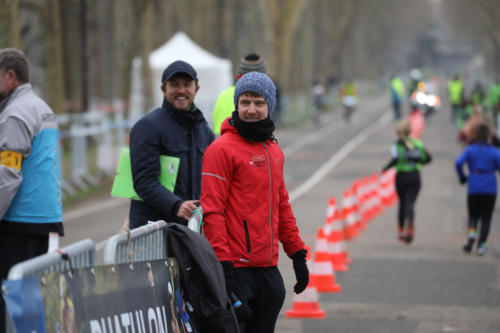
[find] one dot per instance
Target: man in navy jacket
(177, 129)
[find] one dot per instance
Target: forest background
(81, 51)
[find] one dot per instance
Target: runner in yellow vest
(455, 95)
(494, 101)
(397, 96)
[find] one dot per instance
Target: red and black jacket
(245, 202)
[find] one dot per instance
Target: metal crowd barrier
(77, 255)
(147, 242)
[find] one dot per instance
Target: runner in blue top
(482, 160)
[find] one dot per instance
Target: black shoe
(409, 239)
(468, 246)
(409, 235)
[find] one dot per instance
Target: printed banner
(24, 304)
(143, 297)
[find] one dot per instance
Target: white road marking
(299, 144)
(96, 208)
(337, 157)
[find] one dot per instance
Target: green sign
(123, 185)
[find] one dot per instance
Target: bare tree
(489, 12)
(284, 16)
(51, 16)
(9, 24)
(299, 39)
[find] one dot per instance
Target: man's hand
(186, 209)
(301, 271)
(463, 180)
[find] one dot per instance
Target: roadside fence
(77, 255)
(147, 242)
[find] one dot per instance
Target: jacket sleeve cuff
(300, 254)
(175, 207)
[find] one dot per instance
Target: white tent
(214, 73)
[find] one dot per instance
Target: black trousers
(263, 290)
(407, 187)
(14, 248)
(480, 207)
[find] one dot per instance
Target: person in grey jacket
(30, 177)
(176, 129)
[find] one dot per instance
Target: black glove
(227, 266)
(301, 271)
(243, 311)
(463, 180)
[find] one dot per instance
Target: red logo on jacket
(258, 160)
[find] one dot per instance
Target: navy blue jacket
(163, 132)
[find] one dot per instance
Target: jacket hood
(226, 127)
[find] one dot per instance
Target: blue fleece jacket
(482, 160)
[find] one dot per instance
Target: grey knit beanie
(258, 83)
(251, 63)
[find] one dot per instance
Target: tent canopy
(214, 73)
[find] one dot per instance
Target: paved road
(429, 286)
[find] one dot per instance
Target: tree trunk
(9, 24)
(284, 17)
(146, 43)
(71, 56)
(55, 71)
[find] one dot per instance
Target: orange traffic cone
(368, 211)
(385, 188)
(335, 235)
(376, 205)
(331, 209)
(356, 195)
(417, 122)
(305, 304)
(392, 176)
(349, 216)
(322, 271)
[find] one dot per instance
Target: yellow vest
(224, 107)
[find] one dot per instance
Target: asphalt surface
(428, 286)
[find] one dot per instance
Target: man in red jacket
(246, 207)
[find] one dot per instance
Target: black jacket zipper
(247, 236)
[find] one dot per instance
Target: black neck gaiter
(259, 131)
(187, 118)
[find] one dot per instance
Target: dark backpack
(202, 279)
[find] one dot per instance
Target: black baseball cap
(177, 67)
